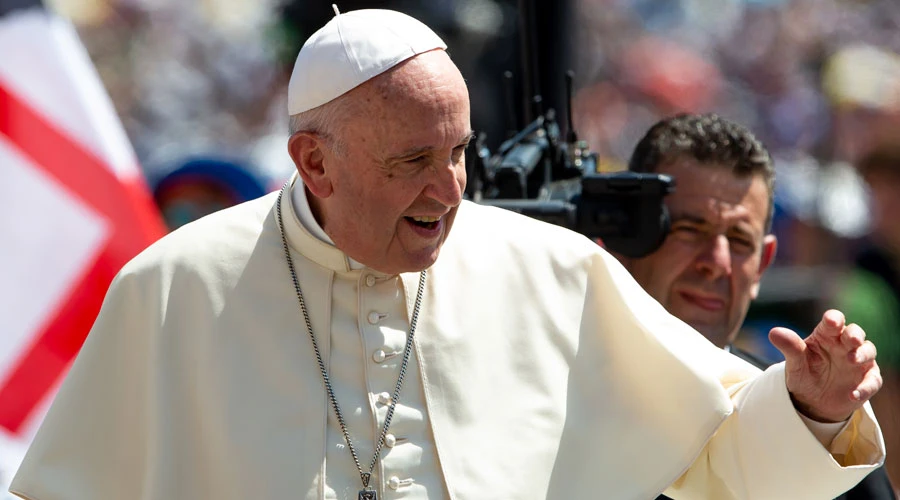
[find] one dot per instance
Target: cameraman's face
(708, 269)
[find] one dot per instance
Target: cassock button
(370, 280)
(374, 318)
(394, 483)
(384, 398)
(390, 440)
(379, 356)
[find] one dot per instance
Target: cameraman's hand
(832, 372)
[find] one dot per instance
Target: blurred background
(200, 88)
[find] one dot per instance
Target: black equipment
(537, 173)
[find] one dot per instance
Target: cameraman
(709, 267)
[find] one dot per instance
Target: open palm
(832, 372)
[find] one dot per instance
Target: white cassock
(540, 370)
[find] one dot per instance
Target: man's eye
(688, 233)
(417, 159)
(458, 152)
(741, 243)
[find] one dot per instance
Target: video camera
(537, 173)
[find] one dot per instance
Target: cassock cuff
(825, 432)
(858, 442)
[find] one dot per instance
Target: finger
(788, 342)
(863, 354)
(834, 318)
(869, 386)
(831, 325)
(853, 336)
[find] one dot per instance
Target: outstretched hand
(832, 372)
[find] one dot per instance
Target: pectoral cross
(366, 493)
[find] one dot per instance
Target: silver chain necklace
(367, 492)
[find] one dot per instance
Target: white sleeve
(766, 450)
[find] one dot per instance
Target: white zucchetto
(352, 48)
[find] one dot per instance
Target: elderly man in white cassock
(334, 340)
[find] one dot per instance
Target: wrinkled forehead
(431, 77)
(423, 91)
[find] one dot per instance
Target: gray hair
(324, 121)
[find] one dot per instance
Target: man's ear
(769, 248)
(307, 149)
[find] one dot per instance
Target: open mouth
(424, 222)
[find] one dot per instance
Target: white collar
(301, 207)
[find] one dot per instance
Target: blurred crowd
(817, 80)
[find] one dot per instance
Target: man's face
(708, 269)
(394, 190)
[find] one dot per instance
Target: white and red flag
(74, 207)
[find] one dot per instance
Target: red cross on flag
(74, 207)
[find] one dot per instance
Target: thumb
(789, 343)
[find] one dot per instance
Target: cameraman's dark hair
(708, 139)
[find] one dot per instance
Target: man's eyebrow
(743, 231)
(413, 152)
(409, 153)
(738, 229)
(687, 217)
(466, 139)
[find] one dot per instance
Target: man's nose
(714, 259)
(447, 184)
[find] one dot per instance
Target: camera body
(537, 174)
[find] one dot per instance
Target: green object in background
(867, 300)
